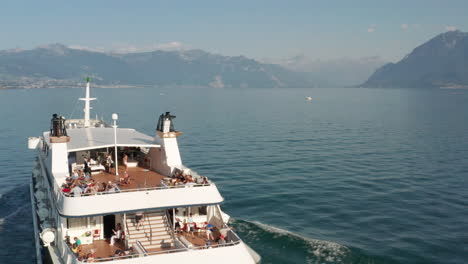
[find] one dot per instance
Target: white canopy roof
(102, 137)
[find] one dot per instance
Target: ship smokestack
(168, 157)
(57, 126)
(58, 131)
(165, 123)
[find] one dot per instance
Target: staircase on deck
(154, 232)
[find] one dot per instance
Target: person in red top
(66, 189)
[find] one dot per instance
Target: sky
(256, 29)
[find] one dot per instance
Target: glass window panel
(77, 223)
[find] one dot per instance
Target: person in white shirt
(117, 234)
(75, 174)
(191, 225)
(76, 190)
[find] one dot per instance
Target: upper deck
(151, 161)
(145, 192)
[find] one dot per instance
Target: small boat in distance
(308, 98)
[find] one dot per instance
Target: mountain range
(440, 62)
(58, 65)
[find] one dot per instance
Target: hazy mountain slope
(163, 68)
(440, 62)
(333, 72)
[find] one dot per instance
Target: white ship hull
(150, 209)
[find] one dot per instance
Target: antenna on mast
(87, 107)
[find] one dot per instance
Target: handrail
(167, 251)
(126, 230)
(139, 189)
(141, 247)
(150, 227)
(146, 253)
(232, 232)
(168, 221)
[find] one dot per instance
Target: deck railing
(167, 251)
(59, 194)
(164, 187)
(232, 237)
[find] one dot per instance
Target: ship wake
(276, 245)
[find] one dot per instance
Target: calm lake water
(355, 176)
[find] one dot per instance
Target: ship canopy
(102, 137)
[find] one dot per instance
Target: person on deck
(126, 179)
(77, 244)
(66, 189)
(221, 240)
(177, 225)
(191, 225)
(125, 161)
(108, 163)
(209, 231)
(75, 175)
(117, 234)
(111, 187)
(76, 190)
(138, 219)
(87, 169)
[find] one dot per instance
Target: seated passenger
(175, 174)
(94, 188)
(111, 188)
(181, 177)
(126, 179)
(199, 180)
(103, 187)
(205, 180)
(77, 244)
(90, 257)
(221, 240)
(117, 234)
(209, 231)
(76, 190)
(75, 175)
(66, 189)
(74, 249)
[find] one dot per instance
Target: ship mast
(87, 107)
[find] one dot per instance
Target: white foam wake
(320, 251)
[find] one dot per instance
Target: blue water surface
(354, 176)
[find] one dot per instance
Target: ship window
(77, 223)
(93, 222)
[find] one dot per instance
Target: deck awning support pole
(115, 117)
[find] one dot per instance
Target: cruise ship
(101, 193)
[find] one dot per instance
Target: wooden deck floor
(198, 240)
(139, 178)
(102, 248)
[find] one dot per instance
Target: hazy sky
(258, 29)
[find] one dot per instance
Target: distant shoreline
(96, 86)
